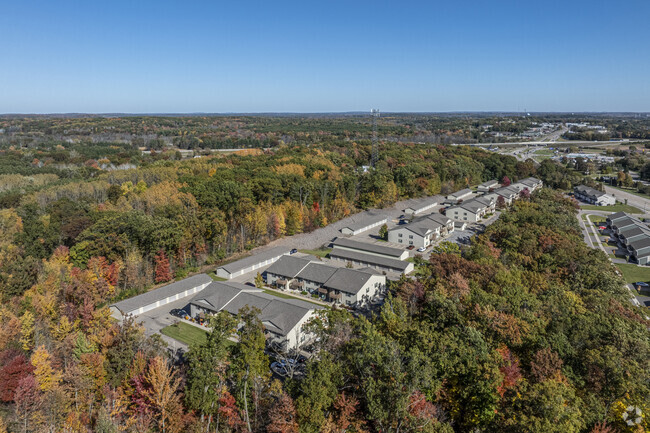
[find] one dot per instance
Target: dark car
(177, 312)
(250, 284)
(410, 247)
(293, 251)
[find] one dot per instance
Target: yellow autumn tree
(47, 377)
(162, 393)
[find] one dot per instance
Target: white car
(422, 249)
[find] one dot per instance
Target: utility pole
(375, 147)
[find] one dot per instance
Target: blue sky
(289, 56)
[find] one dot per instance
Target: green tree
(206, 375)
(249, 362)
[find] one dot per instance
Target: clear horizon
(289, 57)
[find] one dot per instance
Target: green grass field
(321, 252)
(618, 207)
(285, 296)
(633, 273)
(185, 333)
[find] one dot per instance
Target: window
(410, 242)
(399, 240)
(399, 235)
(410, 236)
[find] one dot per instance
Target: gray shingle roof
(218, 294)
(616, 216)
(348, 280)
(256, 258)
(366, 246)
(633, 230)
(277, 314)
(316, 272)
(129, 305)
(419, 203)
(489, 183)
(288, 266)
(367, 258)
(364, 220)
(441, 219)
(640, 244)
(587, 190)
(461, 193)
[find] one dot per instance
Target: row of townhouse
(475, 209)
(472, 210)
(283, 319)
(593, 196)
(422, 231)
(354, 288)
(632, 235)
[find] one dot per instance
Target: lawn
(618, 207)
(633, 273)
(321, 252)
(185, 333)
(596, 218)
(285, 296)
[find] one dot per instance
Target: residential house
(353, 288)
(283, 319)
(532, 183)
(419, 233)
(593, 196)
(471, 210)
(282, 273)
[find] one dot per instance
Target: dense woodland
(228, 132)
(526, 330)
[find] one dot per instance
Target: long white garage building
(251, 263)
(160, 296)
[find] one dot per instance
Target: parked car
(177, 312)
(248, 283)
(410, 247)
(293, 251)
(422, 249)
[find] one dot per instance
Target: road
(632, 199)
